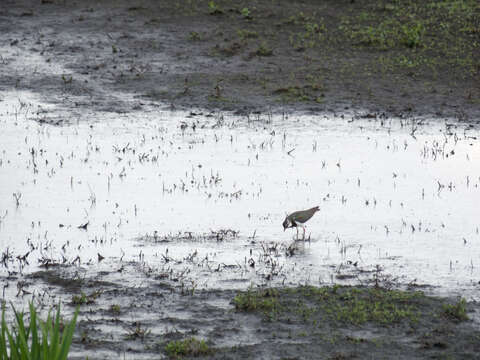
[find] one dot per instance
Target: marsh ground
(159, 320)
(397, 86)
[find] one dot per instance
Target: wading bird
(298, 218)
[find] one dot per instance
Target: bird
(298, 218)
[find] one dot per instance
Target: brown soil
(403, 58)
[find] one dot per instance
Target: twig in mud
(165, 257)
(84, 226)
(17, 197)
(6, 257)
(137, 331)
(77, 259)
(3, 217)
(92, 198)
(414, 129)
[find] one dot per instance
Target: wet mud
(278, 56)
(333, 322)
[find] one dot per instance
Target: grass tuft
(187, 347)
(456, 311)
(37, 339)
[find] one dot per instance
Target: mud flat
(418, 57)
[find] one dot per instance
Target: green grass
(264, 50)
(194, 36)
(247, 34)
(443, 33)
(372, 43)
(37, 339)
(187, 347)
(84, 299)
(456, 311)
(115, 308)
(344, 304)
(214, 8)
(137, 331)
(245, 12)
(252, 300)
(390, 33)
(364, 45)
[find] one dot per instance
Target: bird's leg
(304, 233)
(296, 227)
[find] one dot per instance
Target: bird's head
(286, 223)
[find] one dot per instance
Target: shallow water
(152, 187)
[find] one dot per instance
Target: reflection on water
(392, 192)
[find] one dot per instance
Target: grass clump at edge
(37, 339)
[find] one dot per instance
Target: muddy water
(204, 195)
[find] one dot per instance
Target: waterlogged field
(196, 201)
(164, 227)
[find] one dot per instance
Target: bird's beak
(284, 229)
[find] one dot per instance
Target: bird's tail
(316, 208)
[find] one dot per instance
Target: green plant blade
(22, 335)
(68, 336)
(54, 340)
(3, 342)
(44, 327)
(14, 355)
(35, 347)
